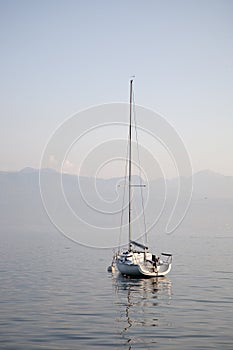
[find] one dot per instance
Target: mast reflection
(140, 305)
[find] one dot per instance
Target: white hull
(138, 271)
(142, 268)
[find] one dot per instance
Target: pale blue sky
(58, 57)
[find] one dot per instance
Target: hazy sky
(59, 57)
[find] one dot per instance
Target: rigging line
(140, 171)
(138, 211)
(123, 201)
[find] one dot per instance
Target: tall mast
(130, 163)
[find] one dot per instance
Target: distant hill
(206, 183)
(209, 184)
(27, 170)
(21, 206)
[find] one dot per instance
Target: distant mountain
(21, 206)
(209, 184)
(206, 183)
(28, 170)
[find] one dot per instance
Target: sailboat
(137, 261)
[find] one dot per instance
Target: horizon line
(32, 169)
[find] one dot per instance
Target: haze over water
(58, 295)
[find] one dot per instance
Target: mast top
(132, 78)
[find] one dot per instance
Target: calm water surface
(55, 294)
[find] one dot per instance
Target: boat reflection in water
(142, 305)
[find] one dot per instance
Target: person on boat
(159, 261)
(155, 260)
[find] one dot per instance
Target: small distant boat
(137, 261)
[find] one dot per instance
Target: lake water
(55, 294)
